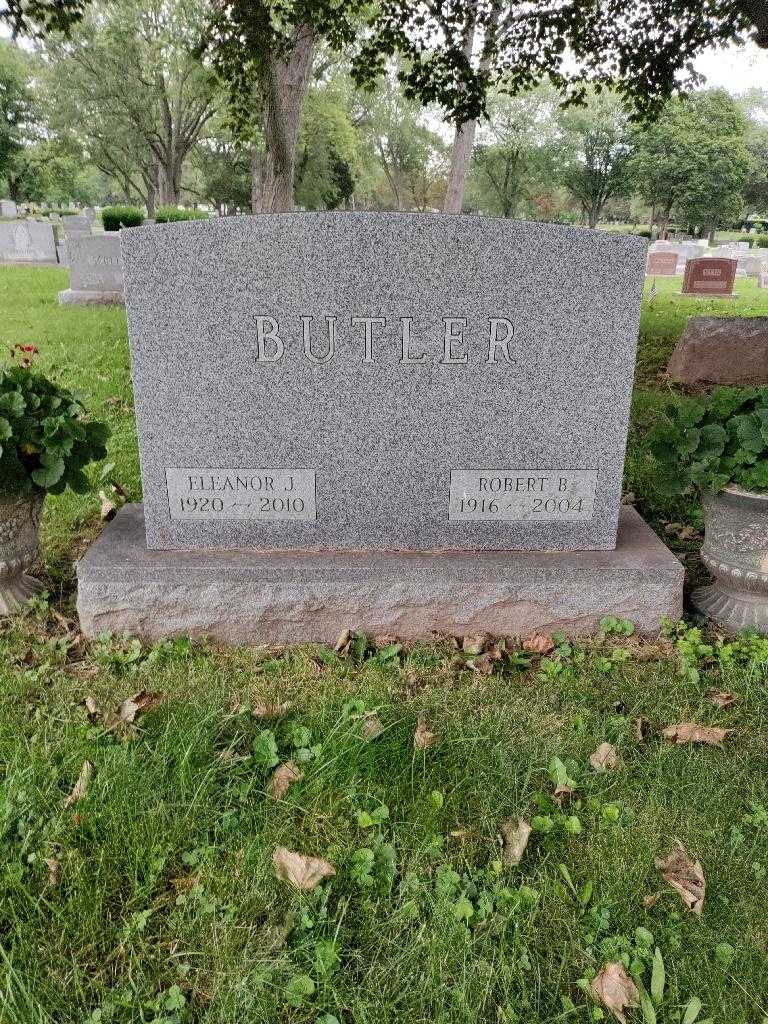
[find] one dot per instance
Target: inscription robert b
(366, 333)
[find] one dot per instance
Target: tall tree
(514, 151)
(17, 112)
(596, 141)
(130, 81)
(264, 52)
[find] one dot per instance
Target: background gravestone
(8, 208)
(27, 241)
(381, 381)
(662, 264)
(96, 271)
(711, 276)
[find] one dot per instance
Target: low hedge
(115, 217)
(166, 214)
(761, 241)
(749, 239)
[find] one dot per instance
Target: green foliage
(761, 241)
(115, 217)
(749, 239)
(45, 441)
(712, 442)
(167, 214)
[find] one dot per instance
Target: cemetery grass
(153, 898)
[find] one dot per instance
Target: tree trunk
(464, 137)
(284, 86)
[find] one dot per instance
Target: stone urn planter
(736, 553)
(19, 546)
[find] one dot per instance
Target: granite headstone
(96, 271)
(8, 208)
(662, 264)
(381, 381)
(27, 241)
(712, 276)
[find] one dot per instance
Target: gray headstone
(74, 225)
(381, 381)
(8, 208)
(27, 241)
(96, 270)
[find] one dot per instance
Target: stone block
(722, 350)
(249, 597)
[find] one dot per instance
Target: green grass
(164, 906)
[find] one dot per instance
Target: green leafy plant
(45, 439)
(115, 217)
(749, 239)
(712, 442)
(167, 214)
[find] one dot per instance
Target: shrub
(115, 217)
(712, 442)
(644, 233)
(761, 241)
(45, 440)
(166, 214)
(747, 238)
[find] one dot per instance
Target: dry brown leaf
(482, 664)
(270, 710)
(384, 640)
(562, 794)
(302, 872)
(371, 727)
(539, 643)
(137, 705)
(474, 644)
(515, 834)
(691, 732)
(282, 778)
(92, 709)
(642, 730)
(342, 641)
(651, 900)
(614, 989)
(721, 698)
(423, 738)
(82, 784)
(686, 877)
(605, 758)
(108, 509)
(629, 498)
(54, 870)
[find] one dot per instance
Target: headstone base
(78, 298)
(707, 295)
(250, 597)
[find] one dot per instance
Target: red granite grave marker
(709, 276)
(661, 264)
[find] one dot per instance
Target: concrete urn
(19, 546)
(736, 553)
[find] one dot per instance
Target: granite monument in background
(27, 241)
(96, 272)
(399, 423)
(8, 208)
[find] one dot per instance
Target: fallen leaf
(642, 730)
(108, 509)
(629, 498)
(54, 870)
(92, 709)
(614, 989)
(134, 707)
(651, 900)
(384, 640)
(686, 877)
(562, 794)
(515, 834)
(605, 758)
(721, 698)
(282, 778)
(342, 641)
(270, 710)
(539, 643)
(371, 727)
(82, 784)
(474, 644)
(302, 872)
(690, 732)
(482, 664)
(423, 738)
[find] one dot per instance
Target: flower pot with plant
(718, 445)
(45, 443)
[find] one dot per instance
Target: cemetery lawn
(148, 892)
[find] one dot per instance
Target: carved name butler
(381, 381)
